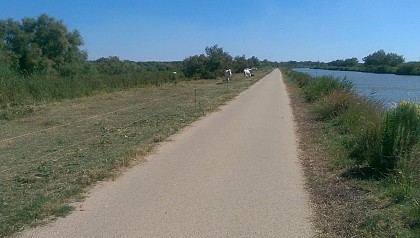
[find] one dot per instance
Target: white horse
(228, 75)
(247, 72)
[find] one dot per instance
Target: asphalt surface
(234, 173)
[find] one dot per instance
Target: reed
(18, 91)
(383, 144)
(323, 86)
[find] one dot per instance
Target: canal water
(388, 88)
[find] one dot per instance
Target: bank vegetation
(362, 161)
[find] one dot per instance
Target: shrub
(322, 86)
(383, 145)
(406, 69)
(300, 79)
(334, 104)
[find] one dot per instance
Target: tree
(380, 58)
(211, 65)
(218, 61)
(377, 58)
(41, 44)
(240, 63)
(214, 63)
(254, 61)
(394, 59)
(194, 66)
(351, 62)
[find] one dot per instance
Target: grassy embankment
(53, 152)
(362, 162)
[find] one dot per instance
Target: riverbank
(404, 69)
(353, 197)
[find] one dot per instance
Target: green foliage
(344, 63)
(409, 69)
(378, 140)
(23, 90)
(214, 63)
(194, 66)
(380, 58)
(335, 104)
(299, 78)
(383, 153)
(40, 44)
(378, 62)
(384, 144)
(217, 61)
(323, 86)
(112, 66)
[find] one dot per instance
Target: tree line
(214, 62)
(44, 45)
(377, 62)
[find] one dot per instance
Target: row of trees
(214, 62)
(112, 65)
(44, 45)
(379, 58)
(377, 62)
(352, 62)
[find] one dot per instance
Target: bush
(299, 78)
(383, 145)
(322, 86)
(334, 104)
(406, 69)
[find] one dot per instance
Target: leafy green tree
(351, 62)
(380, 58)
(377, 58)
(194, 66)
(408, 69)
(217, 61)
(254, 62)
(394, 59)
(112, 65)
(240, 63)
(40, 44)
(210, 65)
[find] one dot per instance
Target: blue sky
(277, 30)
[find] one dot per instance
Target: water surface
(389, 88)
